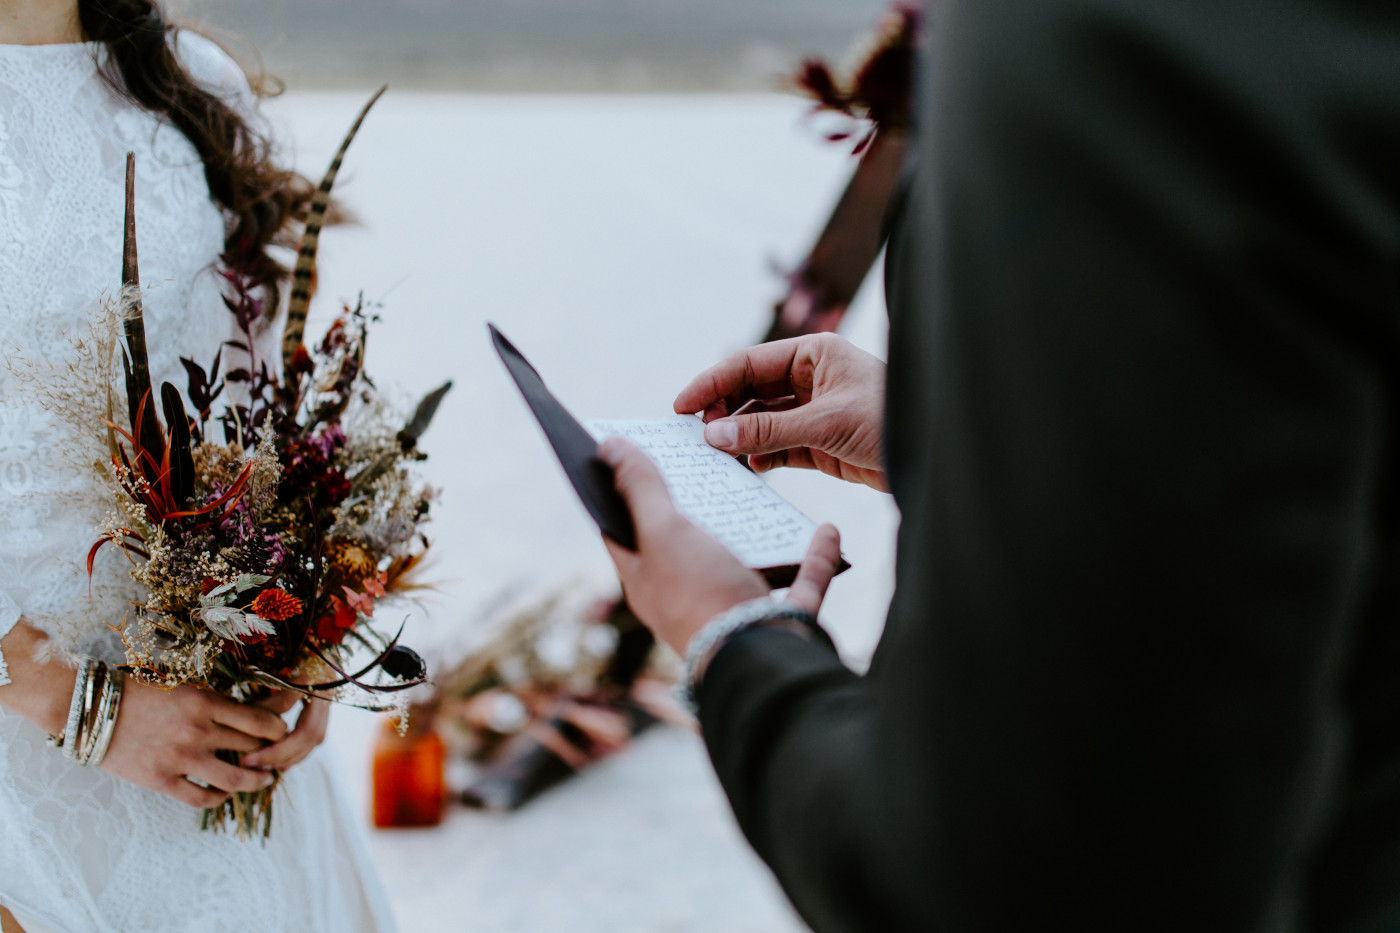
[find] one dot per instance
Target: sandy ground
(624, 243)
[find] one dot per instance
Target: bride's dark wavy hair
(261, 198)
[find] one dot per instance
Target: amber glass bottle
(408, 775)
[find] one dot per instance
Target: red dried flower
(332, 628)
(208, 585)
(357, 601)
(336, 485)
(276, 605)
(375, 586)
(328, 632)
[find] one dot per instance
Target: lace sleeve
(9, 615)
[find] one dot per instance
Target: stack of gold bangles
(92, 716)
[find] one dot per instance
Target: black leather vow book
(576, 449)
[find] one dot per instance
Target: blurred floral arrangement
(261, 558)
(879, 92)
(564, 681)
(874, 106)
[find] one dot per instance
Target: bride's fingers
(192, 794)
(225, 739)
(280, 702)
(223, 776)
(253, 720)
(299, 743)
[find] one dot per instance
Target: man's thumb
(637, 478)
(762, 432)
(818, 567)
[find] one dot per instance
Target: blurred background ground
(536, 45)
(624, 242)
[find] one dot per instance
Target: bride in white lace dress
(119, 848)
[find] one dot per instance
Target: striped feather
(304, 276)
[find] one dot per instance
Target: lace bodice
(63, 142)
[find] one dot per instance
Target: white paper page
(717, 493)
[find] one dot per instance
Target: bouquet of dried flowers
(261, 556)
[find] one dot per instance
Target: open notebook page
(717, 492)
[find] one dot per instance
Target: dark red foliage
(302, 362)
(815, 78)
(881, 91)
(336, 486)
(307, 473)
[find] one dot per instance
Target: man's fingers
(758, 372)
(625, 560)
(637, 479)
(799, 458)
(818, 567)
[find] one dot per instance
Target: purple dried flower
(328, 440)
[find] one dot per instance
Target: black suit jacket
(1142, 667)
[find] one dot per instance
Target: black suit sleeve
(1142, 432)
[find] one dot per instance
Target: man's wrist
(766, 611)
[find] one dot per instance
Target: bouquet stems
(247, 813)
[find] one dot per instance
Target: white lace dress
(79, 850)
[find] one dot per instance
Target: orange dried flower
(276, 605)
(352, 561)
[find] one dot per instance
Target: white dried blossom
(234, 624)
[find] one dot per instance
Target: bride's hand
(166, 740)
(310, 732)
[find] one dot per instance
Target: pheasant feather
(304, 276)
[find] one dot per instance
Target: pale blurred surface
(624, 244)
(537, 45)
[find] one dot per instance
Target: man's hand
(679, 577)
(817, 403)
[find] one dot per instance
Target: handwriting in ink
(716, 492)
